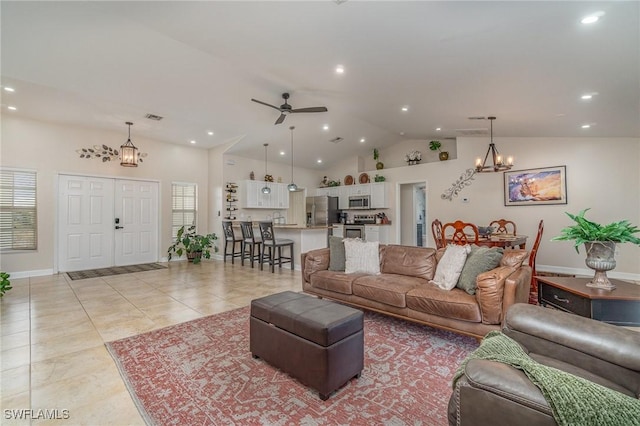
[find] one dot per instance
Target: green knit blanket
(574, 401)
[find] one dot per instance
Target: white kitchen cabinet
(343, 200)
(377, 233)
(253, 197)
(338, 231)
(331, 191)
(379, 197)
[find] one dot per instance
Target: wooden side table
(619, 307)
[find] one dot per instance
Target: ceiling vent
(153, 117)
(336, 140)
(473, 132)
(477, 117)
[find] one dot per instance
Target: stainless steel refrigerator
(322, 210)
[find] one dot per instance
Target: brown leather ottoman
(320, 343)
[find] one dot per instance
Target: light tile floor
(54, 329)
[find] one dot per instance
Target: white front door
(136, 211)
(88, 209)
(85, 222)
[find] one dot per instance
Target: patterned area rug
(201, 372)
(117, 270)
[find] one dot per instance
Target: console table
(619, 307)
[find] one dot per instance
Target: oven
(353, 231)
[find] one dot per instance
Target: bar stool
(230, 240)
(249, 241)
(272, 243)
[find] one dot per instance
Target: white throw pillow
(361, 256)
(450, 266)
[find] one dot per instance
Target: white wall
(50, 149)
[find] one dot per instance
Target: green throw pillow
(336, 254)
(481, 259)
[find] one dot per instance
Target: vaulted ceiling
(199, 64)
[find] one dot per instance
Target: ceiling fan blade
(264, 103)
(310, 109)
(280, 119)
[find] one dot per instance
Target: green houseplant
(5, 284)
(376, 157)
(435, 146)
(600, 244)
(194, 245)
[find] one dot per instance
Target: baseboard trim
(583, 272)
(27, 274)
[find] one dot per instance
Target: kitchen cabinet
(338, 231)
(379, 197)
(253, 197)
(377, 233)
(331, 191)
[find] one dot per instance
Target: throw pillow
(481, 259)
(336, 254)
(361, 256)
(450, 266)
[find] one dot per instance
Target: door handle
(119, 227)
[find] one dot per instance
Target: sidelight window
(18, 213)
(184, 202)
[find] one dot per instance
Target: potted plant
(5, 284)
(195, 246)
(379, 178)
(414, 157)
(600, 244)
(435, 146)
(376, 156)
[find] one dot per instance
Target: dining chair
(503, 226)
(231, 240)
(436, 228)
(533, 291)
(249, 241)
(269, 241)
(463, 233)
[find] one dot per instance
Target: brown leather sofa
(491, 393)
(403, 289)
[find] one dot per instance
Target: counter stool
(230, 240)
(249, 241)
(269, 241)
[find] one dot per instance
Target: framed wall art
(535, 186)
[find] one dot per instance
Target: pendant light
(128, 151)
(292, 186)
(265, 189)
(498, 161)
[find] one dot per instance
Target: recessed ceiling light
(9, 89)
(438, 129)
(281, 152)
(12, 108)
(585, 97)
(319, 160)
(401, 133)
(405, 108)
(325, 127)
(362, 140)
(586, 126)
(590, 19)
(192, 141)
(210, 133)
(339, 69)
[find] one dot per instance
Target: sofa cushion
(362, 256)
(315, 260)
(389, 289)
(455, 304)
(450, 266)
(513, 258)
(417, 262)
(336, 254)
(481, 259)
(338, 282)
(490, 293)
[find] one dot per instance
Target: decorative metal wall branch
(463, 181)
(104, 152)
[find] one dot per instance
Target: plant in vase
(435, 146)
(5, 284)
(195, 246)
(600, 244)
(376, 156)
(414, 157)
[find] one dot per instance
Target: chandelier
(499, 165)
(128, 151)
(106, 153)
(292, 186)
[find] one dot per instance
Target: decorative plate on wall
(364, 178)
(348, 180)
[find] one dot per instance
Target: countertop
(361, 224)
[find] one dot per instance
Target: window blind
(18, 213)
(184, 202)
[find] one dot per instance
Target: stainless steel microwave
(360, 202)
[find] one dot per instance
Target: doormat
(117, 270)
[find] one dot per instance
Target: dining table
(504, 241)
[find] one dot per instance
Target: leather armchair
(491, 393)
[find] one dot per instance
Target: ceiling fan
(286, 109)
